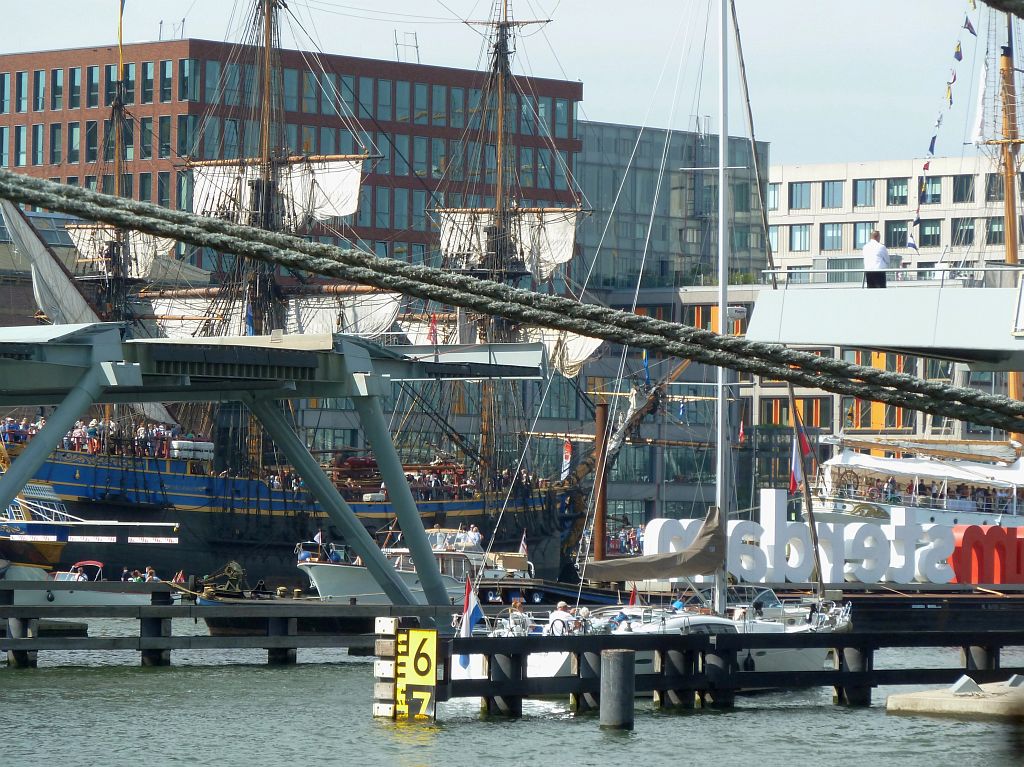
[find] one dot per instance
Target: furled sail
(149, 257)
(566, 351)
(54, 288)
(702, 557)
(365, 315)
(194, 317)
(542, 239)
(308, 190)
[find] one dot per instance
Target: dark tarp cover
(702, 557)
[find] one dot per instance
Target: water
(228, 708)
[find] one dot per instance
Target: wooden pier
(277, 624)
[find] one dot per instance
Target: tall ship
(212, 471)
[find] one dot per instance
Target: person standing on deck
(876, 261)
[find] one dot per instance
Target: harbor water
(229, 708)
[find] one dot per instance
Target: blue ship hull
(220, 519)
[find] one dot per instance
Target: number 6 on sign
(415, 673)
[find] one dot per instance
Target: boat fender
(304, 555)
(49, 596)
(537, 597)
(335, 556)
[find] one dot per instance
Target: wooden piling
(854, 659)
(670, 663)
(720, 668)
(587, 666)
(618, 689)
(282, 627)
(502, 668)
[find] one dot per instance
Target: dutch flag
(471, 615)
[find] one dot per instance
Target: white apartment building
(821, 215)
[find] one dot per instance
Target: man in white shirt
(876, 261)
(561, 621)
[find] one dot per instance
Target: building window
(995, 234)
(831, 236)
(20, 145)
(896, 234)
(402, 101)
(963, 188)
(420, 108)
(773, 237)
(163, 188)
(188, 80)
(56, 143)
(109, 84)
(21, 92)
(419, 156)
(5, 137)
(382, 210)
(896, 191)
(401, 208)
(92, 87)
(146, 187)
(800, 195)
(74, 142)
(384, 105)
(39, 90)
(798, 275)
(56, 89)
(931, 233)
(148, 71)
(457, 112)
(930, 189)
(5, 92)
(187, 135)
(831, 194)
(164, 137)
(166, 81)
(38, 150)
(439, 104)
(993, 187)
(291, 90)
(799, 238)
(74, 87)
(773, 196)
(91, 141)
(863, 193)
(862, 233)
(310, 93)
(963, 231)
(146, 138)
(128, 80)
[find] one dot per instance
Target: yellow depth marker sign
(415, 673)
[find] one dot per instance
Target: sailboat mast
(721, 454)
(266, 104)
(501, 72)
(1010, 143)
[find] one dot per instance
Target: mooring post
(720, 668)
(282, 627)
(618, 688)
(22, 628)
(980, 657)
(587, 665)
(671, 663)
(503, 668)
(154, 628)
(854, 659)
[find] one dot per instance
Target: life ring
(492, 596)
(537, 597)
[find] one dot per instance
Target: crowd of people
(936, 495)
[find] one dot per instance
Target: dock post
(504, 668)
(282, 627)
(980, 657)
(152, 628)
(618, 688)
(588, 666)
(670, 663)
(22, 628)
(854, 659)
(720, 667)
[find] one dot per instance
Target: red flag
(796, 469)
(633, 597)
(432, 330)
(742, 437)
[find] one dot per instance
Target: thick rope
(488, 297)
